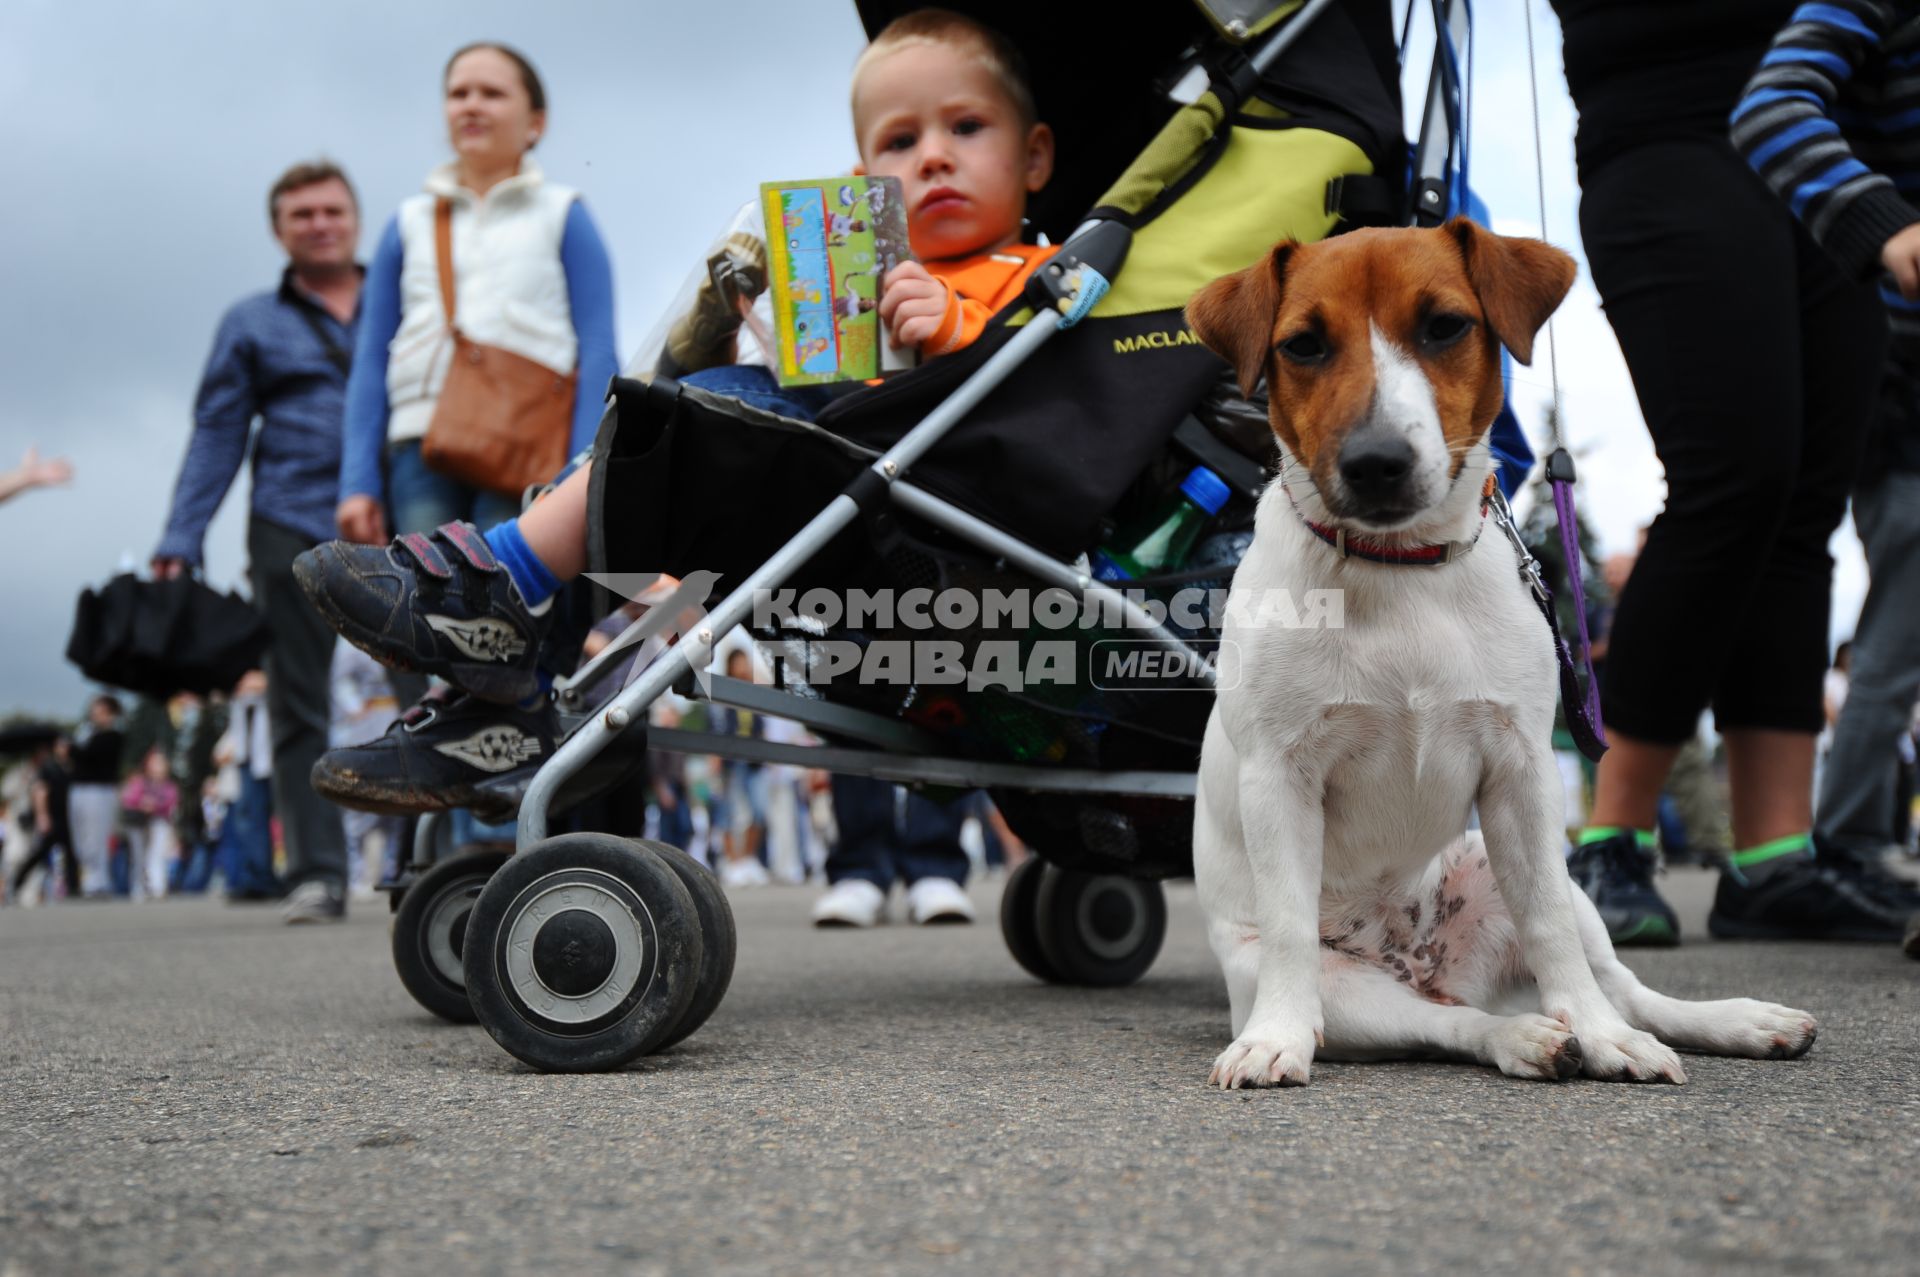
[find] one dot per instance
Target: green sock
(1756, 863)
(1643, 838)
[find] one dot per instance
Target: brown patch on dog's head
(1304, 317)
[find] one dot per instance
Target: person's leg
(1858, 797)
(41, 851)
(251, 823)
(555, 526)
(161, 853)
(418, 499)
(863, 814)
(1769, 694)
(1768, 703)
(1695, 262)
(1702, 293)
(91, 810)
(757, 387)
(298, 666)
(137, 849)
(932, 861)
(486, 509)
(930, 841)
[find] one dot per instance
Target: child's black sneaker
(1616, 872)
(436, 603)
(1829, 896)
(438, 756)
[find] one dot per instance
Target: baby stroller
(1230, 125)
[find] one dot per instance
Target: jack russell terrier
(1347, 903)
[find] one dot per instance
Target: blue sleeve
(364, 434)
(1511, 450)
(589, 274)
(223, 414)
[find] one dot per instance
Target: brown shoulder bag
(502, 420)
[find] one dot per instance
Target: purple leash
(1582, 709)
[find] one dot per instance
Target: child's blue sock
(529, 575)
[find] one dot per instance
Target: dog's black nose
(1375, 464)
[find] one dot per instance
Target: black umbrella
(17, 740)
(163, 637)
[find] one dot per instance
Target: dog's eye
(1304, 348)
(1442, 331)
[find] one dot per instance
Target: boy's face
(934, 117)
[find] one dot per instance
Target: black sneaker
(315, 901)
(1869, 869)
(436, 603)
(438, 756)
(1617, 876)
(1824, 897)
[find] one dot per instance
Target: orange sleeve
(977, 289)
(962, 325)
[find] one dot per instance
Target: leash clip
(1530, 570)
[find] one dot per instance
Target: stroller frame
(647, 908)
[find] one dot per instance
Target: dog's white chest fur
(1434, 672)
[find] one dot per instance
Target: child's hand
(912, 304)
(1901, 256)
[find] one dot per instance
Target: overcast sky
(144, 137)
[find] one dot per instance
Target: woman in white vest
(530, 275)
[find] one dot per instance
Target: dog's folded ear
(1519, 282)
(1234, 315)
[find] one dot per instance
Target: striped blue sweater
(1831, 121)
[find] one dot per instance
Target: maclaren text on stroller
(993, 469)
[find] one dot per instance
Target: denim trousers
(420, 499)
(883, 839)
(245, 852)
(1858, 783)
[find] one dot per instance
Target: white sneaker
(851, 902)
(938, 900)
(742, 873)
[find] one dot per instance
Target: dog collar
(1431, 554)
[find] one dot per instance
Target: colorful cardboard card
(829, 243)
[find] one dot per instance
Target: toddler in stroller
(941, 103)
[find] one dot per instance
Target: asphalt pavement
(187, 1087)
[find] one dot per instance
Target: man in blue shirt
(283, 356)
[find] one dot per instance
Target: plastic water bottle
(1161, 541)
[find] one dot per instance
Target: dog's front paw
(1264, 1059)
(1536, 1047)
(1615, 1053)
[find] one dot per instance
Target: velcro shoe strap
(473, 547)
(427, 554)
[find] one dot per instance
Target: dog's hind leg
(1520, 798)
(1731, 1026)
(1371, 1015)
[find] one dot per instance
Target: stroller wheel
(583, 953)
(1020, 919)
(1099, 929)
(717, 935)
(430, 931)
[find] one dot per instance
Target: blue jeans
(758, 388)
(245, 853)
(420, 499)
(881, 842)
